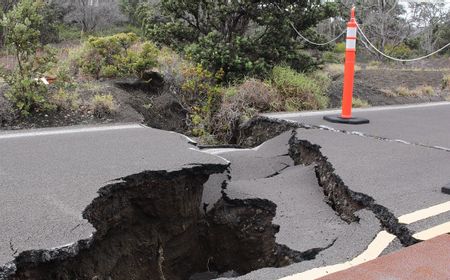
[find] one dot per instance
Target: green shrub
(144, 60)
(202, 96)
(322, 79)
(240, 104)
(64, 77)
(299, 91)
(109, 71)
(27, 94)
(103, 105)
(68, 32)
(171, 65)
(398, 51)
(243, 38)
(124, 28)
(23, 24)
(116, 56)
(64, 100)
(340, 47)
(330, 57)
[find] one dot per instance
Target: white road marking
(381, 241)
(229, 150)
(45, 132)
(201, 151)
(375, 248)
(433, 232)
(425, 213)
(371, 109)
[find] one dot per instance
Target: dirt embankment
(157, 106)
(135, 102)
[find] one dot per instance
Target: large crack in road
(208, 221)
(339, 196)
(150, 225)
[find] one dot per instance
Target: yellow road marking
(381, 241)
(374, 249)
(433, 232)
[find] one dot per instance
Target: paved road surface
(48, 177)
(427, 124)
(404, 175)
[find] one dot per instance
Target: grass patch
(360, 103)
(446, 82)
(103, 105)
(406, 92)
(299, 91)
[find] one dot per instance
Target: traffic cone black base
(339, 119)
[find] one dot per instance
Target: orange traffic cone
(349, 73)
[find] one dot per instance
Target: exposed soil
(149, 226)
(339, 196)
(155, 105)
(136, 102)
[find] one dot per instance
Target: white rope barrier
(314, 43)
(306, 39)
(399, 59)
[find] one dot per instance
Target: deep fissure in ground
(150, 226)
(337, 194)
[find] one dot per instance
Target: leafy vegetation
(202, 96)
(113, 56)
(399, 51)
(103, 105)
(27, 92)
(221, 62)
(241, 103)
(300, 91)
(240, 38)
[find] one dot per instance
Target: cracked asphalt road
(404, 175)
(49, 176)
(423, 123)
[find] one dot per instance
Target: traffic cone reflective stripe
(349, 73)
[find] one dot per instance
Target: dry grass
(360, 103)
(337, 69)
(103, 105)
(241, 103)
(64, 100)
(373, 64)
(446, 81)
(406, 92)
(334, 69)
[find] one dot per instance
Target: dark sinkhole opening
(151, 226)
